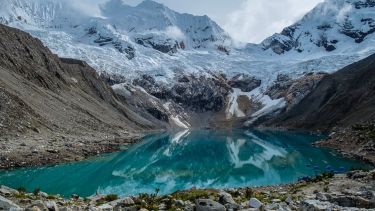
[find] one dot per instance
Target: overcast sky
(244, 20)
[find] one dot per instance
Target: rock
(162, 206)
(105, 207)
(180, 203)
(43, 194)
(4, 190)
(255, 203)
(39, 204)
(289, 200)
(67, 209)
(244, 82)
(74, 197)
(6, 204)
(51, 206)
(226, 199)
(125, 202)
(208, 205)
(189, 206)
(196, 93)
(321, 197)
(35, 208)
(315, 205)
(356, 174)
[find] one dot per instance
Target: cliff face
(46, 100)
(341, 99)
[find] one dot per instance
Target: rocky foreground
(352, 191)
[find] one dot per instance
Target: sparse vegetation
(192, 195)
(36, 191)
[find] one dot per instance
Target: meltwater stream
(187, 159)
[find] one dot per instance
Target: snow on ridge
(112, 44)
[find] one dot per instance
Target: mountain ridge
(164, 45)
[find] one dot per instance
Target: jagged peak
(150, 4)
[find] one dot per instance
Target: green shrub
(36, 191)
(21, 189)
(110, 197)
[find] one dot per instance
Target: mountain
(337, 26)
(152, 47)
(342, 99)
(54, 105)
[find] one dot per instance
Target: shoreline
(351, 191)
(85, 149)
(78, 149)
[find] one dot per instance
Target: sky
(245, 20)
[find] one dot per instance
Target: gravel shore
(352, 191)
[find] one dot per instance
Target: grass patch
(192, 195)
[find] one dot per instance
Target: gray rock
(51, 206)
(105, 207)
(127, 201)
(8, 191)
(226, 199)
(66, 209)
(208, 205)
(39, 204)
(6, 204)
(315, 205)
(180, 203)
(321, 197)
(289, 200)
(255, 203)
(43, 194)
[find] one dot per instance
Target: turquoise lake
(187, 159)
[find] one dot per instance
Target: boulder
(105, 207)
(51, 206)
(255, 203)
(6, 204)
(315, 205)
(226, 199)
(208, 205)
(4, 190)
(38, 204)
(180, 203)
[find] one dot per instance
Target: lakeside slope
(55, 109)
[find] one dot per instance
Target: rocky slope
(341, 99)
(350, 192)
(341, 103)
(53, 108)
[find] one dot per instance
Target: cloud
(87, 7)
(174, 32)
(258, 19)
(342, 14)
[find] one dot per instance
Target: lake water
(187, 159)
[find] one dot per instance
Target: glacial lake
(187, 159)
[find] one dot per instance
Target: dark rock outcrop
(293, 90)
(359, 34)
(198, 94)
(244, 82)
(112, 79)
(166, 46)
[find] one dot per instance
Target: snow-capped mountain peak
(332, 26)
(152, 38)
